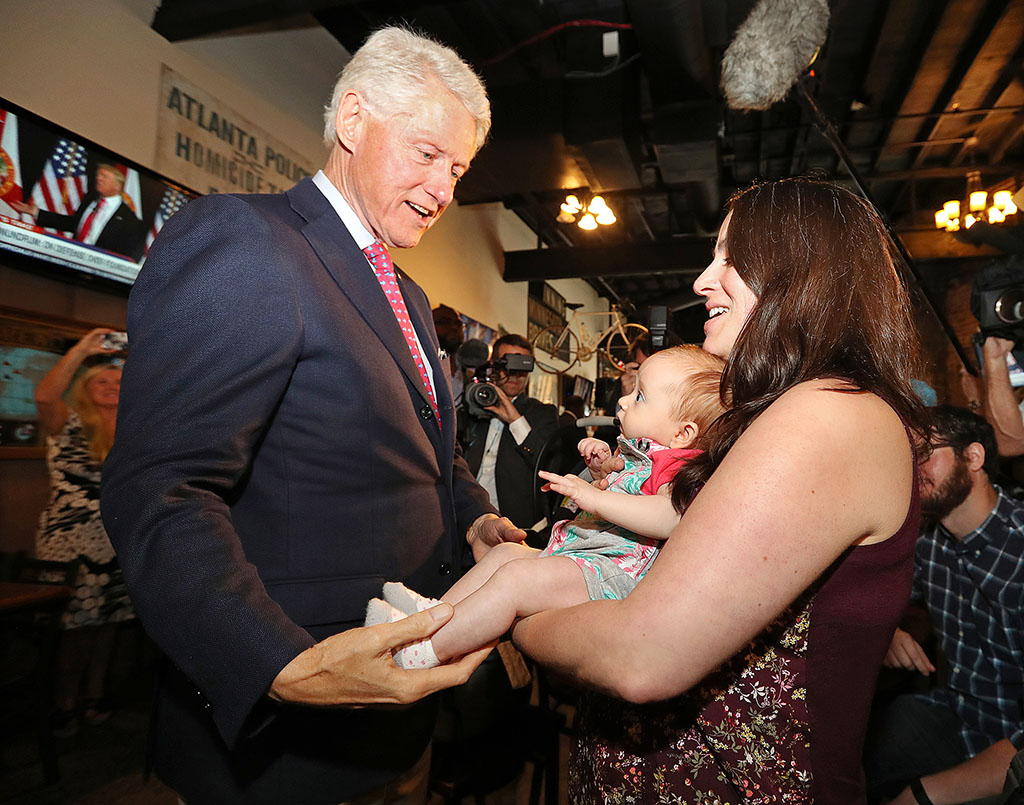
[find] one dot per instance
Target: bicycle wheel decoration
(620, 343)
(561, 344)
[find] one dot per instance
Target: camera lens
(1009, 307)
(485, 395)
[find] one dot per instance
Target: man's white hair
(391, 71)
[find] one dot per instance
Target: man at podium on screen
(103, 219)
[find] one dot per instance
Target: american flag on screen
(64, 181)
(172, 201)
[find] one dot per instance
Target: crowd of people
(314, 528)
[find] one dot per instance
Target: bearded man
(954, 743)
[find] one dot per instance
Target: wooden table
(16, 595)
(32, 612)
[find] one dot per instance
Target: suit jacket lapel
(347, 264)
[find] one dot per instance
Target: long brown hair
(830, 304)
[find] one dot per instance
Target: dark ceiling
(917, 92)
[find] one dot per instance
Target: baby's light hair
(696, 389)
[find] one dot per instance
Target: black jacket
(515, 473)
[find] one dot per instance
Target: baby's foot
(406, 600)
(378, 612)
(415, 655)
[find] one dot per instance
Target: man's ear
(685, 436)
(974, 453)
(350, 119)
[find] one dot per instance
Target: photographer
(501, 441)
(997, 301)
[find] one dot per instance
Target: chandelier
(976, 206)
(594, 213)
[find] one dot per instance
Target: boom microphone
(770, 50)
(473, 353)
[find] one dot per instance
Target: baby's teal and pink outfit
(612, 558)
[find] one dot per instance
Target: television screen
(73, 205)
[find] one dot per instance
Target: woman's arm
(49, 394)
(815, 473)
(648, 515)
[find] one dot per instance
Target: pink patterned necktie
(380, 260)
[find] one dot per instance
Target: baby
(600, 553)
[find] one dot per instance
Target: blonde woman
(80, 433)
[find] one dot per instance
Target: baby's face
(649, 412)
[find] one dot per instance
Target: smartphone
(115, 342)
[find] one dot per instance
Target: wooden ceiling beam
(682, 256)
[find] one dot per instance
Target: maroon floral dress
(782, 722)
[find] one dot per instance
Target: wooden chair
(32, 597)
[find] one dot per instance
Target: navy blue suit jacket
(276, 461)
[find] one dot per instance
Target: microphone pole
(824, 125)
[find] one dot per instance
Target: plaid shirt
(974, 591)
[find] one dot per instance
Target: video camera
(481, 392)
(997, 302)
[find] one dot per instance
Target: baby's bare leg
(478, 575)
(516, 589)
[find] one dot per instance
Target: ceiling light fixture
(976, 206)
(595, 212)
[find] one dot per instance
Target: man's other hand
(503, 408)
(489, 530)
(905, 652)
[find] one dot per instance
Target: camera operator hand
(1001, 404)
(996, 349)
(503, 409)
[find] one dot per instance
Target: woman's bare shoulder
(837, 406)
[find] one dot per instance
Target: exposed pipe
(828, 130)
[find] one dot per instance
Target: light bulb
(565, 217)
(606, 217)
(952, 209)
(1001, 198)
(977, 201)
(969, 220)
(995, 216)
(597, 205)
(571, 205)
(941, 219)
(587, 222)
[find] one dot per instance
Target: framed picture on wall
(29, 348)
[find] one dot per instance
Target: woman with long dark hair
(742, 667)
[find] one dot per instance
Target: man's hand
(31, 208)
(583, 494)
(996, 348)
(905, 652)
(503, 409)
(356, 667)
(489, 530)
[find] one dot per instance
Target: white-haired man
(286, 443)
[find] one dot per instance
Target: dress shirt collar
(360, 234)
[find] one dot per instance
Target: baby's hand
(595, 452)
(575, 488)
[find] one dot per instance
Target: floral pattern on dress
(70, 526)
(742, 737)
